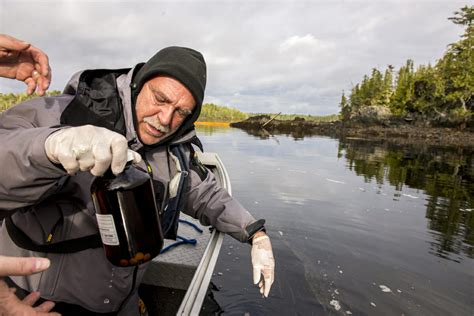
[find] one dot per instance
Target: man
(52, 149)
(22, 61)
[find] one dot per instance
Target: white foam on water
(385, 288)
(335, 181)
(336, 304)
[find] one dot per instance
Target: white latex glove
(263, 263)
(87, 148)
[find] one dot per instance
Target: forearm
(26, 174)
(212, 205)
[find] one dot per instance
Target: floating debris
(410, 196)
(362, 189)
(385, 288)
(280, 232)
(336, 292)
(387, 209)
(336, 304)
(340, 271)
(348, 312)
(373, 304)
(220, 273)
(399, 291)
(335, 181)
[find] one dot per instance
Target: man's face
(162, 105)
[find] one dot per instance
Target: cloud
(262, 55)
(303, 42)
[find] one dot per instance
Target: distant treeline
(215, 113)
(10, 99)
(209, 112)
(440, 94)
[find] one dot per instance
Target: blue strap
(183, 240)
(191, 224)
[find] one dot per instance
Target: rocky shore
(396, 132)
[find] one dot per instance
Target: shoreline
(395, 133)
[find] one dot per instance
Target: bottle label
(108, 233)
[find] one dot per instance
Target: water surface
(357, 227)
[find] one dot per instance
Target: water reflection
(446, 175)
(208, 130)
(348, 218)
(298, 134)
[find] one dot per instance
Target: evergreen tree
(387, 88)
(401, 99)
(345, 112)
(457, 69)
(428, 92)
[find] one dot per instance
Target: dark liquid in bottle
(127, 216)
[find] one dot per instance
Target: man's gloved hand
(263, 263)
(87, 148)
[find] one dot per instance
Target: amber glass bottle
(127, 216)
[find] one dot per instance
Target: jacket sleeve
(26, 173)
(212, 205)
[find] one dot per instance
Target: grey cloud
(289, 56)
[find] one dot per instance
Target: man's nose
(166, 115)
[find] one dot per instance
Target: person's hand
(263, 262)
(87, 148)
(10, 305)
(22, 265)
(24, 62)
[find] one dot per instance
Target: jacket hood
(103, 97)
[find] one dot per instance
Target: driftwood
(265, 124)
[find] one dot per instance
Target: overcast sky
(262, 56)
